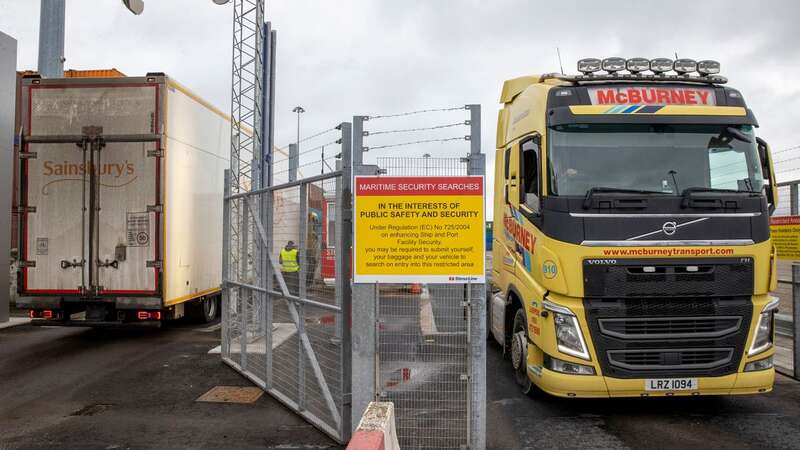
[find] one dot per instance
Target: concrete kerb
(14, 321)
(376, 431)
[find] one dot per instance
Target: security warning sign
(419, 230)
(785, 231)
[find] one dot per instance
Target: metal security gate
(287, 331)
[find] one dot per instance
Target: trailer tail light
(149, 315)
(47, 314)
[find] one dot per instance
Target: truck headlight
(762, 340)
(568, 332)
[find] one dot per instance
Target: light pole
(299, 110)
(51, 34)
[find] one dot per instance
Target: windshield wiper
(689, 191)
(587, 201)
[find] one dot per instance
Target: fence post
(796, 319)
(226, 257)
(301, 293)
(477, 166)
(344, 277)
(363, 313)
(793, 199)
(294, 161)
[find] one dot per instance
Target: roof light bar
(589, 65)
(612, 65)
(660, 65)
(707, 70)
(708, 67)
(636, 65)
(684, 66)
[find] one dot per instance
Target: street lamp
(299, 110)
(134, 6)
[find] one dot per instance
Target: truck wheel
(210, 308)
(204, 310)
(519, 353)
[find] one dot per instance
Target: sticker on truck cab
(649, 95)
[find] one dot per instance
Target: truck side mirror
(768, 170)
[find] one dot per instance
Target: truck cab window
(529, 168)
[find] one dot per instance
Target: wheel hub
(518, 350)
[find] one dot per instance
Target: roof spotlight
(684, 66)
(636, 65)
(587, 66)
(612, 65)
(708, 67)
(660, 65)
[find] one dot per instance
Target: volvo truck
(633, 254)
(120, 191)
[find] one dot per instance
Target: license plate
(670, 384)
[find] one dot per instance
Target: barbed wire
(411, 130)
(423, 141)
(419, 111)
(318, 161)
(796, 147)
(308, 138)
(308, 151)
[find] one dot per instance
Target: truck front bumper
(598, 386)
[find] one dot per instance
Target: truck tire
(519, 353)
(205, 309)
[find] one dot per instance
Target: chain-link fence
(430, 338)
(292, 325)
(286, 287)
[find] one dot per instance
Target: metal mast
(247, 99)
(247, 113)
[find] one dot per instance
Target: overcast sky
(345, 57)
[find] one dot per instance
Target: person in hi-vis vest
(290, 267)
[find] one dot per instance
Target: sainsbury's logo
(115, 170)
(111, 175)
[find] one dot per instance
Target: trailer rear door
(94, 186)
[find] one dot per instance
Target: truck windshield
(662, 158)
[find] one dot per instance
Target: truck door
(54, 250)
(512, 190)
(124, 237)
(90, 189)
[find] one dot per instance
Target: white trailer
(121, 188)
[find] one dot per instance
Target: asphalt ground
(748, 422)
(85, 388)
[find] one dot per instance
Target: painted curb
(376, 431)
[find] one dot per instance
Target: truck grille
(669, 327)
(640, 278)
(678, 336)
(670, 359)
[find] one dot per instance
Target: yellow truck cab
(632, 255)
